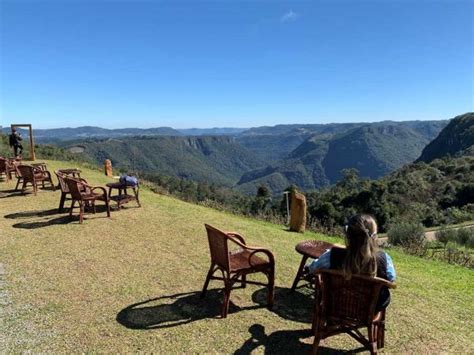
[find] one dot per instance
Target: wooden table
(309, 249)
(123, 198)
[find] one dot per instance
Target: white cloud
(289, 16)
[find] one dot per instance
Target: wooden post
(298, 212)
(108, 167)
(32, 141)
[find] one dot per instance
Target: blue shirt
(324, 262)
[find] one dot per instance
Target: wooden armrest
(239, 240)
(381, 281)
(98, 188)
(237, 236)
(268, 253)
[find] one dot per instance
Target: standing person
(361, 255)
(15, 142)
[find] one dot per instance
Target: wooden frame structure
(32, 143)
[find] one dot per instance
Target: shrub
(470, 241)
(445, 236)
(464, 235)
(410, 236)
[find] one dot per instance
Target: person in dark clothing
(361, 255)
(15, 142)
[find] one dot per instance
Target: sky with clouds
(233, 63)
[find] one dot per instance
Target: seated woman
(361, 255)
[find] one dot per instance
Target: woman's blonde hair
(362, 248)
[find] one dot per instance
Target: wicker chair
(84, 194)
(236, 265)
(29, 174)
(61, 174)
(345, 306)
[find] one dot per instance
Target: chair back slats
(349, 301)
(3, 165)
(218, 245)
(74, 187)
(62, 183)
(26, 172)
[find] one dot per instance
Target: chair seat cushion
(239, 260)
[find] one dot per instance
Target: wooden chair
(84, 194)
(5, 168)
(236, 265)
(61, 174)
(29, 174)
(345, 306)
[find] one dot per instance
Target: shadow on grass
(28, 191)
(14, 193)
(42, 224)
(284, 342)
(29, 214)
(184, 308)
(61, 219)
(295, 306)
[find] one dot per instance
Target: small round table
(309, 249)
(123, 198)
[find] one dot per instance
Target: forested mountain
(441, 192)
(216, 159)
(373, 149)
(455, 140)
(309, 156)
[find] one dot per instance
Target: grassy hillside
(63, 285)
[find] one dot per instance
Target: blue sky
(233, 63)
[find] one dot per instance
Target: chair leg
(61, 202)
(107, 205)
(81, 213)
(208, 278)
(23, 187)
(225, 305)
(72, 207)
(17, 184)
(314, 348)
(381, 332)
(244, 281)
(372, 341)
(271, 287)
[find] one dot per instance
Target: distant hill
(60, 134)
(216, 159)
(211, 131)
(456, 139)
(277, 142)
(374, 149)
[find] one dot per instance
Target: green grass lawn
(130, 283)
